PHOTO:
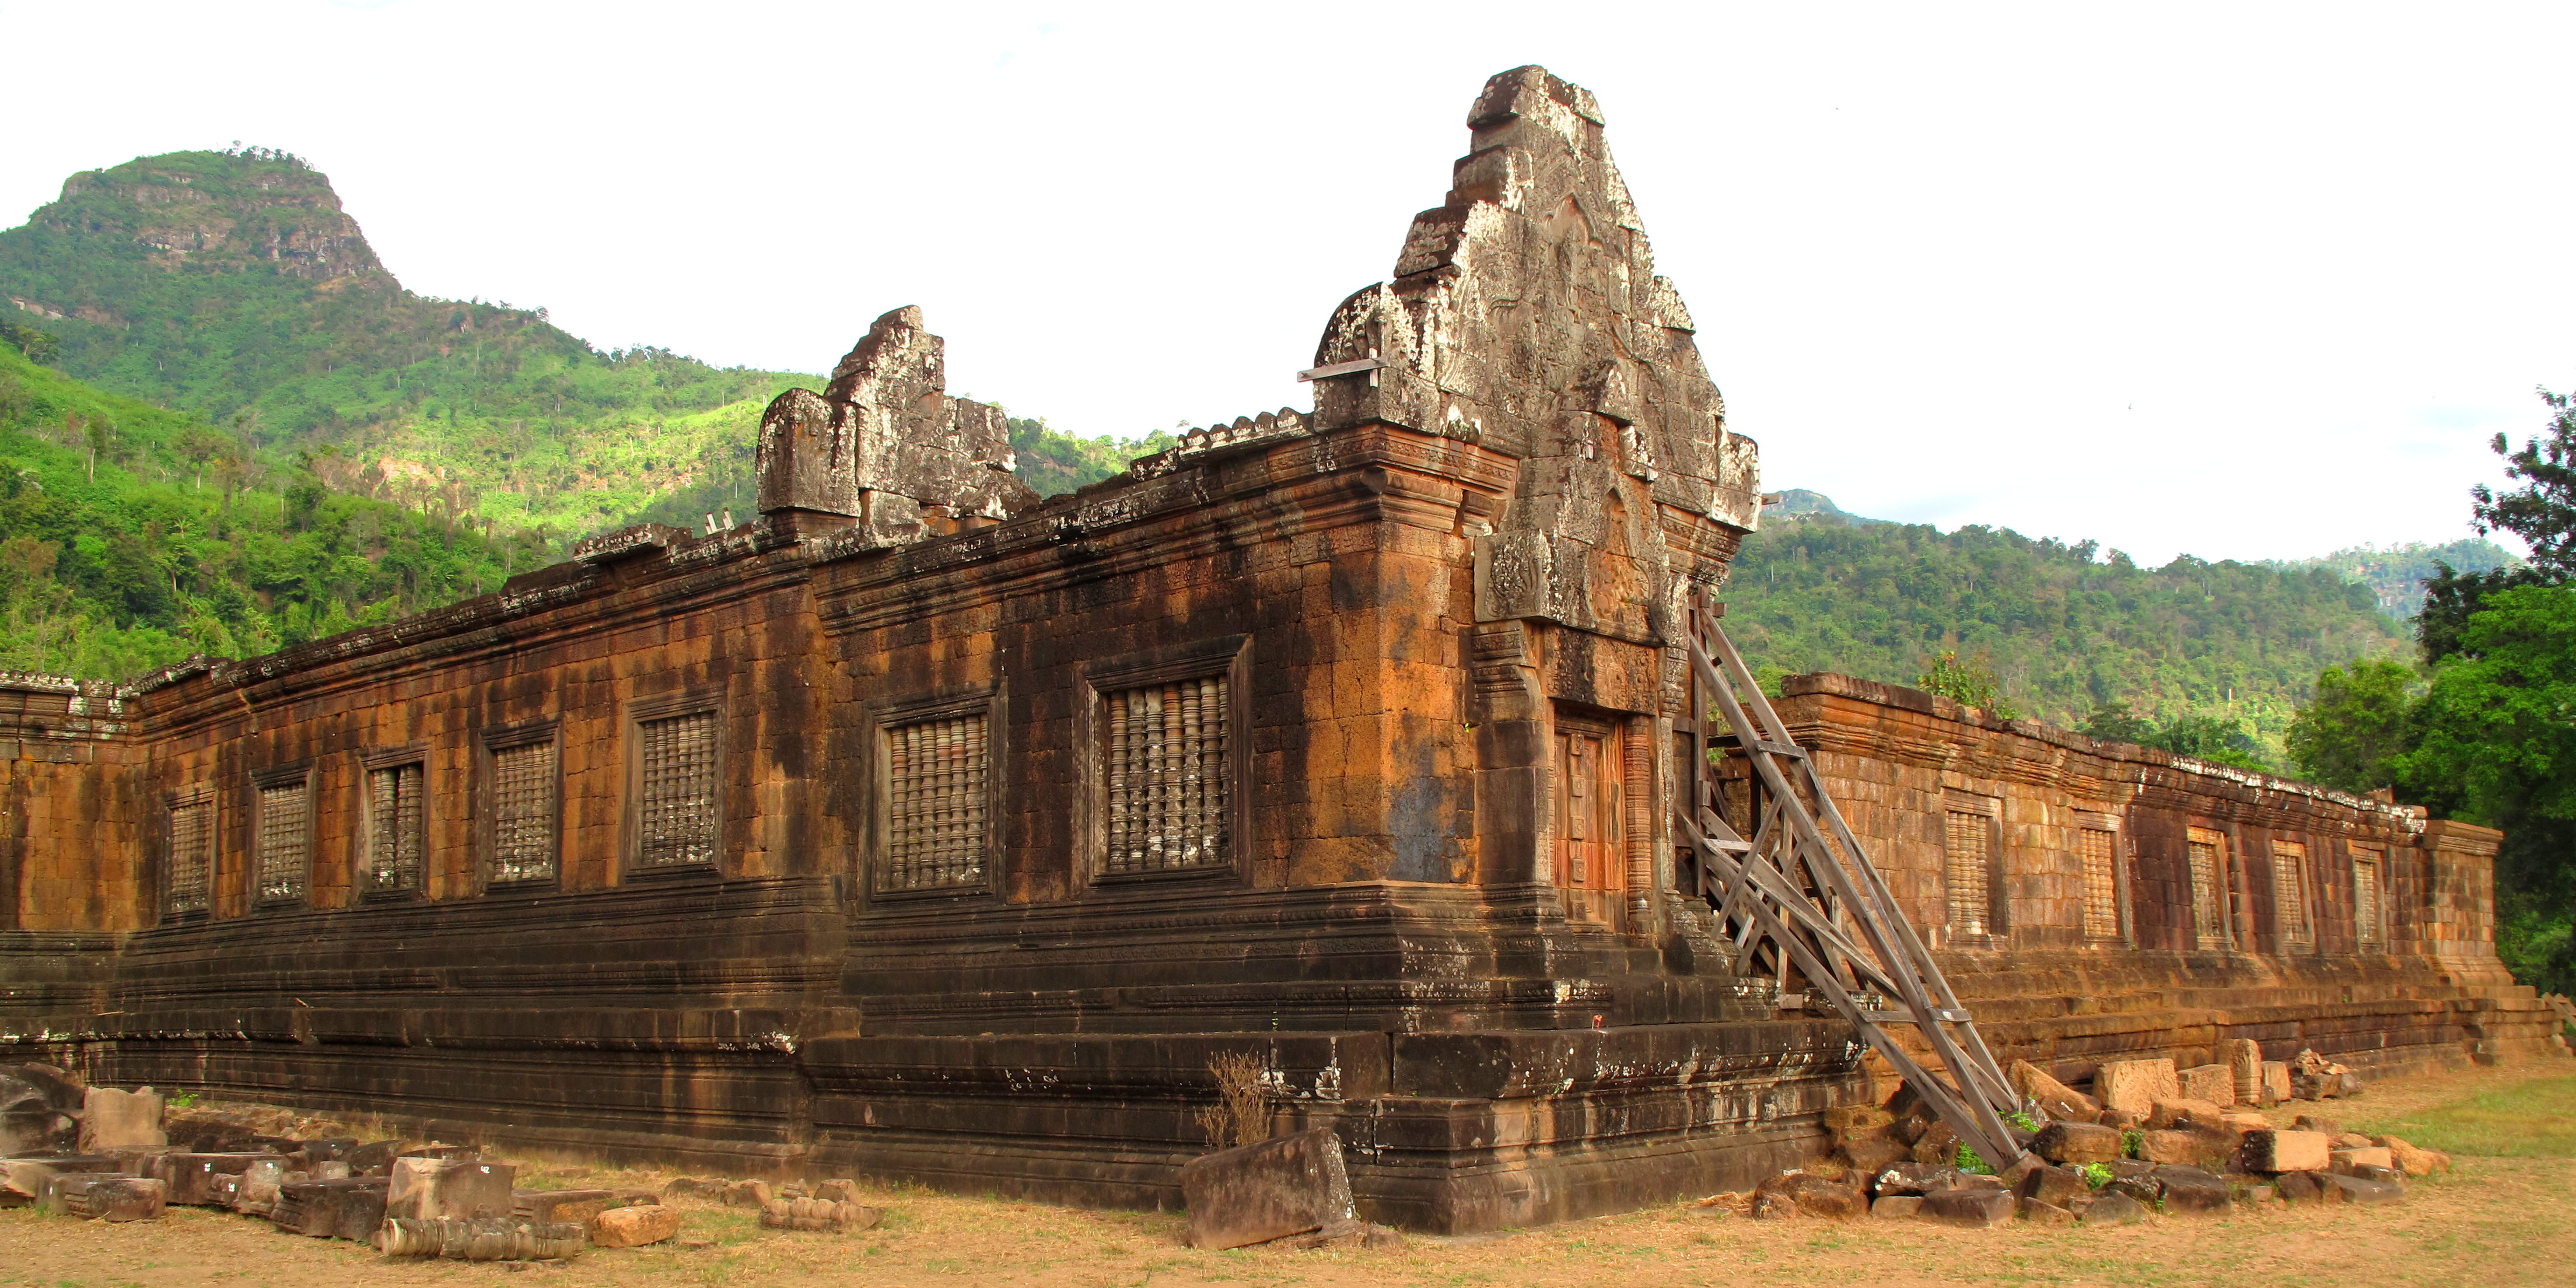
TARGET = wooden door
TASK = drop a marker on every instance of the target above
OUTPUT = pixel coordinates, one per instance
(1591, 853)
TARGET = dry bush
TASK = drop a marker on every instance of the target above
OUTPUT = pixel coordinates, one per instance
(1241, 1114)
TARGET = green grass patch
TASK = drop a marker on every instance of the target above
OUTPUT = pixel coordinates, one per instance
(2534, 1120)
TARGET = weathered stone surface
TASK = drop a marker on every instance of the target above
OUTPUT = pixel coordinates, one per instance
(2347, 1160)
(1937, 1146)
(22, 1180)
(2076, 1142)
(690, 1187)
(2276, 1083)
(2053, 1185)
(2274, 1151)
(1818, 1196)
(113, 1119)
(487, 1238)
(192, 1176)
(2046, 1214)
(2243, 1060)
(1257, 1193)
(30, 1119)
(1889, 1207)
(256, 1188)
(2148, 1189)
(2171, 1114)
(2056, 1101)
(2189, 1189)
(750, 1194)
(837, 1190)
(2299, 1187)
(2326, 1127)
(2182, 1147)
(2212, 1083)
(633, 1227)
(361, 1215)
(2412, 1160)
(1915, 1178)
(448, 1189)
(830, 1215)
(2355, 1189)
(2114, 1209)
(1873, 1152)
(106, 1196)
(2134, 1086)
(1975, 1209)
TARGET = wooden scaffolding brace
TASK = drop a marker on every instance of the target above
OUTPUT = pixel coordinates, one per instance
(1819, 907)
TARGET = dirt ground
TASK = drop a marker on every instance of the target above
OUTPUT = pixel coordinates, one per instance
(2498, 1221)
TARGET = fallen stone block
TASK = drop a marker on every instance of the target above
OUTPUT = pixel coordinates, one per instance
(22, 1180)
(2057, 1101)
(1972, 1209)
(2134, 1086)
(2076, 1142)
(192, 1176)
(2121, 1120)
(1814, 1195)
(2169, 1147)
(1896, 1206)
(1914, 1179)
(2351, 1140)
(2345, 1161)
(2174, 1112)
(312, 1207)
(2145, 1189)
(2272, 1151)
(837, 1190)
(107, 1196)
(375, 1158)
(2369, 1173)
(2047, 1214)
(1867, 1154)
(362, 1210)
(1278, 1188)
(633, 1227)
(255, 1189)
(479, 1239)
(827, 1215)
(2299, 1187)
(750, 1194)
(32, 1120)
(2114, 1209)
(694, 1187)
(2411, 1160)
(452, 1189)
(113, 1119)
(2213, 1083)
(559, 1207)
(2326, 1127)
(2052, 1185)
(2276, 1083)
(2189, 1189)
(2355, 1189)
(2257, 1195)
(1938, 1144)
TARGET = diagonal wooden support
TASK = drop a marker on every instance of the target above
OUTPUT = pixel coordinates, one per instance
(1805, 886)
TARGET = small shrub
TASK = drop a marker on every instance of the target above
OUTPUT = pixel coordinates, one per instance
(183, 1099)
(1968, 1161)
(2022, 1120)
(2096, 1175)
(2132, 1143)
(1241, 1114)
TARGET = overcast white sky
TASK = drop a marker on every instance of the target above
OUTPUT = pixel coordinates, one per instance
(2240, 280)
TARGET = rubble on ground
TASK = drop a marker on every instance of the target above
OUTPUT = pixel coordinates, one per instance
(2150, 1139)
(110, 1154)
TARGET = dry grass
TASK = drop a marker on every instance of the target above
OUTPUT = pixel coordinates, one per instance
(2502, 1220)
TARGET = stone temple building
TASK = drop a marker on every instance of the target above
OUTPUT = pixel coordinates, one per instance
(923, 828)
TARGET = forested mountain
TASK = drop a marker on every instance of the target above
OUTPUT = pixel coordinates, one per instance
(231, 285)
(2397, 573)
(2063, 629)
(132, 536)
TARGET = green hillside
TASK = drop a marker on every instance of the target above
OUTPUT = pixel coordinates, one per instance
(2397, 573)
(132, 536)
(2063, 630)
(233, 286)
